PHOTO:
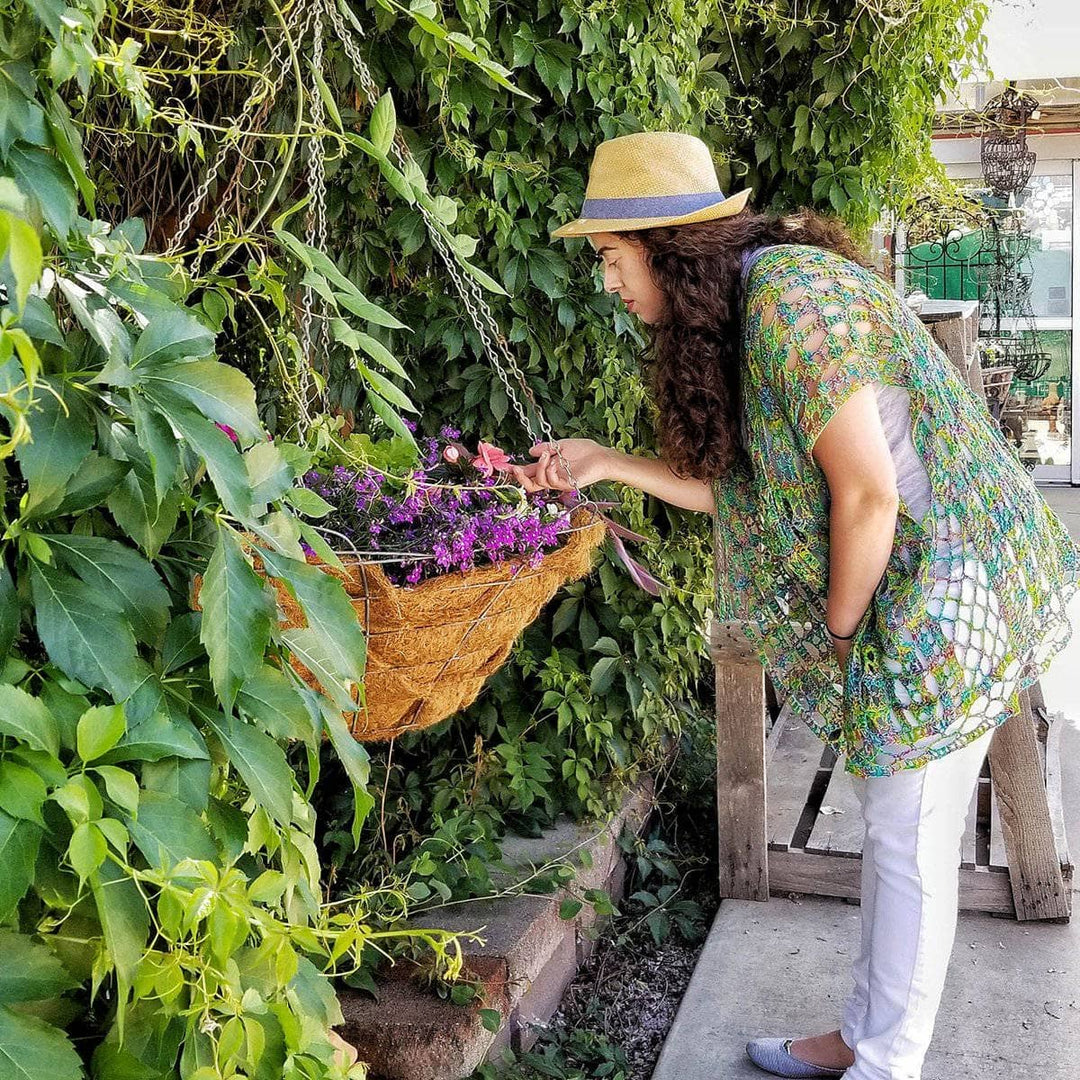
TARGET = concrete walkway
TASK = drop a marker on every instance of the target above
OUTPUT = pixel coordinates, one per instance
(1011, 1009)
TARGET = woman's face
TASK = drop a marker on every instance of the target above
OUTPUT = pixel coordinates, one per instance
(627, 273)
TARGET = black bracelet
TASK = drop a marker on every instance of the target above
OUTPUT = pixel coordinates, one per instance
(841, 637)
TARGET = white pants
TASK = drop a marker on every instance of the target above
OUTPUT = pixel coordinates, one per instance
(909, 892)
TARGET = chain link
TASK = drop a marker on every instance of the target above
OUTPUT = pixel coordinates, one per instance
(317, 343)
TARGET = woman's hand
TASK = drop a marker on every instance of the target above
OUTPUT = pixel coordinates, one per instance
(589, 462)
(587, 459)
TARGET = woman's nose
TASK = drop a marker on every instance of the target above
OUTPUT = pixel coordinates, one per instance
(611, 281)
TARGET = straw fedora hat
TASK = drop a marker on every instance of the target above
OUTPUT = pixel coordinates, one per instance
(651, 178)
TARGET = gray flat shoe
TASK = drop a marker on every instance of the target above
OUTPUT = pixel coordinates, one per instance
(774, 1056)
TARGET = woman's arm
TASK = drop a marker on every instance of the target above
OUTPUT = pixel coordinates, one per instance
(853, 452)
(590, 462)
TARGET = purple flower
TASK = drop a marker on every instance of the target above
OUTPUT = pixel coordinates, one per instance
(445, 512)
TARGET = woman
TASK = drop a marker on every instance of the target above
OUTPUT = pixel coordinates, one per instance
(897, 570)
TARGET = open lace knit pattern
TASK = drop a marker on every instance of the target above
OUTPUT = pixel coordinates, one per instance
(971, 608)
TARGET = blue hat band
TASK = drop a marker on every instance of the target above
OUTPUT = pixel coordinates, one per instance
(648, 206)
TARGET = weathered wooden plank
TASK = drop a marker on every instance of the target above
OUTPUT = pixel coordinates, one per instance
(838, 833)
(981, 889)
(740, 771)
(1035, 873)
(1054, 803)
(792, 768)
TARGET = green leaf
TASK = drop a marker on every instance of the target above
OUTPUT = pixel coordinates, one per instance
(87, 849)
(224, 464)
(356, 762)
(27, 718)
(39, 174)
(271, 700)
(135, 505)
(99, 320)
(182, 645)
(85, 639)
(385, 388)
(9, 611)
(31, 971)
(322, 264)
(66, 141)
(169, 336)
(260, 762)
(327, 96)
(483, 277)
(94, 481)
(269, 472)
(121, 786)
(237, 610)
(603, 673)
(20, 243)
(569, 908)
(120, 573)
(30, 1049)
(385, 412)
(159, 736)
(22, 794)
(62, 437)
(383, 123)
(357, 339)
(19, 841)
(359, 304)
(100, 729)
(125, 923)
(215, 390)
(186, 780)
(308, 648)
(156, 437)
(167, 831)
(491, 1019)
(329, 614)
(307, 502)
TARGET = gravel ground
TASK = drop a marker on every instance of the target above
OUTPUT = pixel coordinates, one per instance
(630, 990)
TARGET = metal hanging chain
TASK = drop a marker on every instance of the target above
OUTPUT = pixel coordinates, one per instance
(492, 339)
(315, 230)
(277, 66)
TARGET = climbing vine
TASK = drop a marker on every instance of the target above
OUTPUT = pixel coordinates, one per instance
(185, 856)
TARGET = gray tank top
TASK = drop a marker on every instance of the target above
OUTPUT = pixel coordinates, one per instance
(912, 479)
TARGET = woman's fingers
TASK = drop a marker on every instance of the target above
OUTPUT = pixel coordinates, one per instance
(547, 473)
(524, 477)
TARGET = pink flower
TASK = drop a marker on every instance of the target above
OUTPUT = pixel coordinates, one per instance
(228, 431)
(450, 453)
(489, 458)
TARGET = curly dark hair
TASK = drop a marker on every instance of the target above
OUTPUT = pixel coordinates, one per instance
(694, 358)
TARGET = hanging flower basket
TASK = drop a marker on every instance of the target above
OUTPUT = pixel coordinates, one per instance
(445, 560)
(431, 646)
